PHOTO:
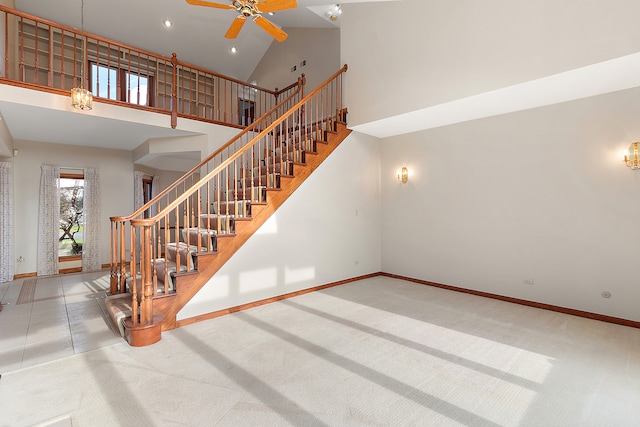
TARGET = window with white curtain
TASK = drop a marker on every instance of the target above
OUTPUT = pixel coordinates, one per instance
(48, 221)
(92, 219)
(69, 219)
(6, 222)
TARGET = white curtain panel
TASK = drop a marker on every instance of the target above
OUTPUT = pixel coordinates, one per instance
(138, 192)
(92, 218)
(48, 221)
(6, 222)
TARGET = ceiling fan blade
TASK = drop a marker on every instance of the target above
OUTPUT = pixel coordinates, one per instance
(270, 28)
(235, 27)
(275, 5)
(211, 4)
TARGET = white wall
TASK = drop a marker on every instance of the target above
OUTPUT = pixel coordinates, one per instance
(320, 47)
(116, 190)
(540, 194)
(6, 140)
(313, 239)
(413, 54)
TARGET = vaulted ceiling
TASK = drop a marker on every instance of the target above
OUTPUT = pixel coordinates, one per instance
(197, 34)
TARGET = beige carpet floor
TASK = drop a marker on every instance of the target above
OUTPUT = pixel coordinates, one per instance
(375, 352)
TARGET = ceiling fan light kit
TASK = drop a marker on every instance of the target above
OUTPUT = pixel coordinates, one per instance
(252, 9)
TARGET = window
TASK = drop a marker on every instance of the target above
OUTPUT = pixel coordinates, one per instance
(121, 85)
(147, 187)
(71, 215)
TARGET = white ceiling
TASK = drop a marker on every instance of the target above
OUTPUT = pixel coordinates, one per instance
(597, 79)
(197, 36)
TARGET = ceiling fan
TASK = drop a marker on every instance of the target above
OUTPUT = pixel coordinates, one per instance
(252, 9)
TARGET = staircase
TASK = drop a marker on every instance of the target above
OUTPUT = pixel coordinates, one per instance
(159, 263)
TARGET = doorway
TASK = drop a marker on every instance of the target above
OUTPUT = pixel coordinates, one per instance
(247, 111)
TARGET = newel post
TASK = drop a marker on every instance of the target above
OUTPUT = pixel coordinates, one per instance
(174, 90)
(146, 275)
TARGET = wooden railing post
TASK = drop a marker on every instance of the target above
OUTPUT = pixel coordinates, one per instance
(6, 73)
(174, 90)
(122, 262)
(113, 259)
(117, 283)
(135, 318)
(146, 303)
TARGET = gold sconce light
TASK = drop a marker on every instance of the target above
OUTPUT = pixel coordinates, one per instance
(631, 158)
(403, 175)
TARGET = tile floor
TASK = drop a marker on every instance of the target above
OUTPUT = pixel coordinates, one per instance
(65, 316)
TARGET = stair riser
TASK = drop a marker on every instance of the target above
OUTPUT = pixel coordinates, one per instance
(278, 167)
(270, 181)
(257, 194)
(241, 208)
(211, 222)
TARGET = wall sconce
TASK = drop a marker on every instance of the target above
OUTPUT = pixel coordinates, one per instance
(403, 175)
(632, 159)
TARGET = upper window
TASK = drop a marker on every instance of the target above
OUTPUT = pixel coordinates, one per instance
(121, 85)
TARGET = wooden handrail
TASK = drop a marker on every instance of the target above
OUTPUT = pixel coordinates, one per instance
(231, 79)
(229, 160)
(155, 199)
(247, 168)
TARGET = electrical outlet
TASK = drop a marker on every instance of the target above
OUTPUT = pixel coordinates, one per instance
(20, 259)
(303, 63)
(527, 281)
(294, 68)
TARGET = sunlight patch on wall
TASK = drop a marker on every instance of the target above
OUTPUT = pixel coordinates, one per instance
(256, 280)
(221, 289)
(270, 226)
(297, 275)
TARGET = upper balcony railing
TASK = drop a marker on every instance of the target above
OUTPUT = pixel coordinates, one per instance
(48, 56)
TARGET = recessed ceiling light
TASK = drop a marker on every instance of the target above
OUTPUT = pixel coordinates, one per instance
(271, 13)
(233, 49)
(167, 23)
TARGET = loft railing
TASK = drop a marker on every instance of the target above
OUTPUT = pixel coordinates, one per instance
(214, 195)
(52, 57)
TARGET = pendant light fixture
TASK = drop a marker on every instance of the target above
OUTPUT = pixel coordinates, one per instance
(81, 98)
